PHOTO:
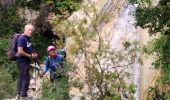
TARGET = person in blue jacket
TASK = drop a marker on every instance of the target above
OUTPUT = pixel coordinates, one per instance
(53, 61)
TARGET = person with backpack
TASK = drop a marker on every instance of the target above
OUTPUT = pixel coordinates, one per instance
(23, 60)
(53, 61)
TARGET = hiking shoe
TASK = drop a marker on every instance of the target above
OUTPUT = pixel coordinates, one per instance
(26, 98)
(17, 97)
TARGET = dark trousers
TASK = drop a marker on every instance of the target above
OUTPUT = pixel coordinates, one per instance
(23, 79)
(52, 76)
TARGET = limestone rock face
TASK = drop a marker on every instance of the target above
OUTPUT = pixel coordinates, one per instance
(116, 31)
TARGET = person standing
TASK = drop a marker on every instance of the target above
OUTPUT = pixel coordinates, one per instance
(23, 60)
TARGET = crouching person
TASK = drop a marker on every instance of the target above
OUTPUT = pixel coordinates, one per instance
(53, 61)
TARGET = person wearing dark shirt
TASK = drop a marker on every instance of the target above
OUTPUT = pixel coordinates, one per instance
(23, 60)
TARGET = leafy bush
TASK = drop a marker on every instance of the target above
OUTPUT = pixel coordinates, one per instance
(3, 45)
(7, 85)
(60, 91)
(9, 21)
(157, 20)
(9, 66)
(64, 7)
(40, 44)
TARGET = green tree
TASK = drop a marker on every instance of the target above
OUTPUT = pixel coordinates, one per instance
(9, 20)
(157, 20)
(104, 74)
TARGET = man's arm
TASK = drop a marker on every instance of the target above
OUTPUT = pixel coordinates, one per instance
(22, 53)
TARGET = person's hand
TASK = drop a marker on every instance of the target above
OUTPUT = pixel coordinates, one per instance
(34, 55)
(41, 73)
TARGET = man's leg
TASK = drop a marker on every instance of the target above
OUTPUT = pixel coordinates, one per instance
(19, 83)
(25, 79)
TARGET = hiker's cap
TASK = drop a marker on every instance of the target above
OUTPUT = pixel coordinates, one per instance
(50, 48)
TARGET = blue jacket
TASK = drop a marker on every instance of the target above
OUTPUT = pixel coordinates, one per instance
(52, 63)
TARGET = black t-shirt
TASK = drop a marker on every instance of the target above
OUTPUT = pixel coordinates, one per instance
(24, 41)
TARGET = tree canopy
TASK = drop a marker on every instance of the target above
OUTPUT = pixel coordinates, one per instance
(157, 20)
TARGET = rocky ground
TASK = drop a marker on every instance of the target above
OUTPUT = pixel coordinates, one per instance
(35, 83)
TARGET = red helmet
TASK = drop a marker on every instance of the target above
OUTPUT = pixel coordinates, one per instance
(49, 48)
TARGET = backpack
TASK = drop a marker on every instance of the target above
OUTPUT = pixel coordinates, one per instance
(62, 52)
(12, 47)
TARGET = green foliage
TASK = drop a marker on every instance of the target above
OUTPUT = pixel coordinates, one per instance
(105, 17)
(155, 94)
(9, 66)
(7, 86)
(168, 97)
(154, 17)
(132, 88)
(12, 69)
(59, 91)
(139, 1)
(10, 21)
(133, 1)
(40, 44)
(62, 7)
(49, 1)
(157, 20)
(126, 44)
(3, 45)
(66, 7)
(31, 4)
(103, 82)
(77, 83)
